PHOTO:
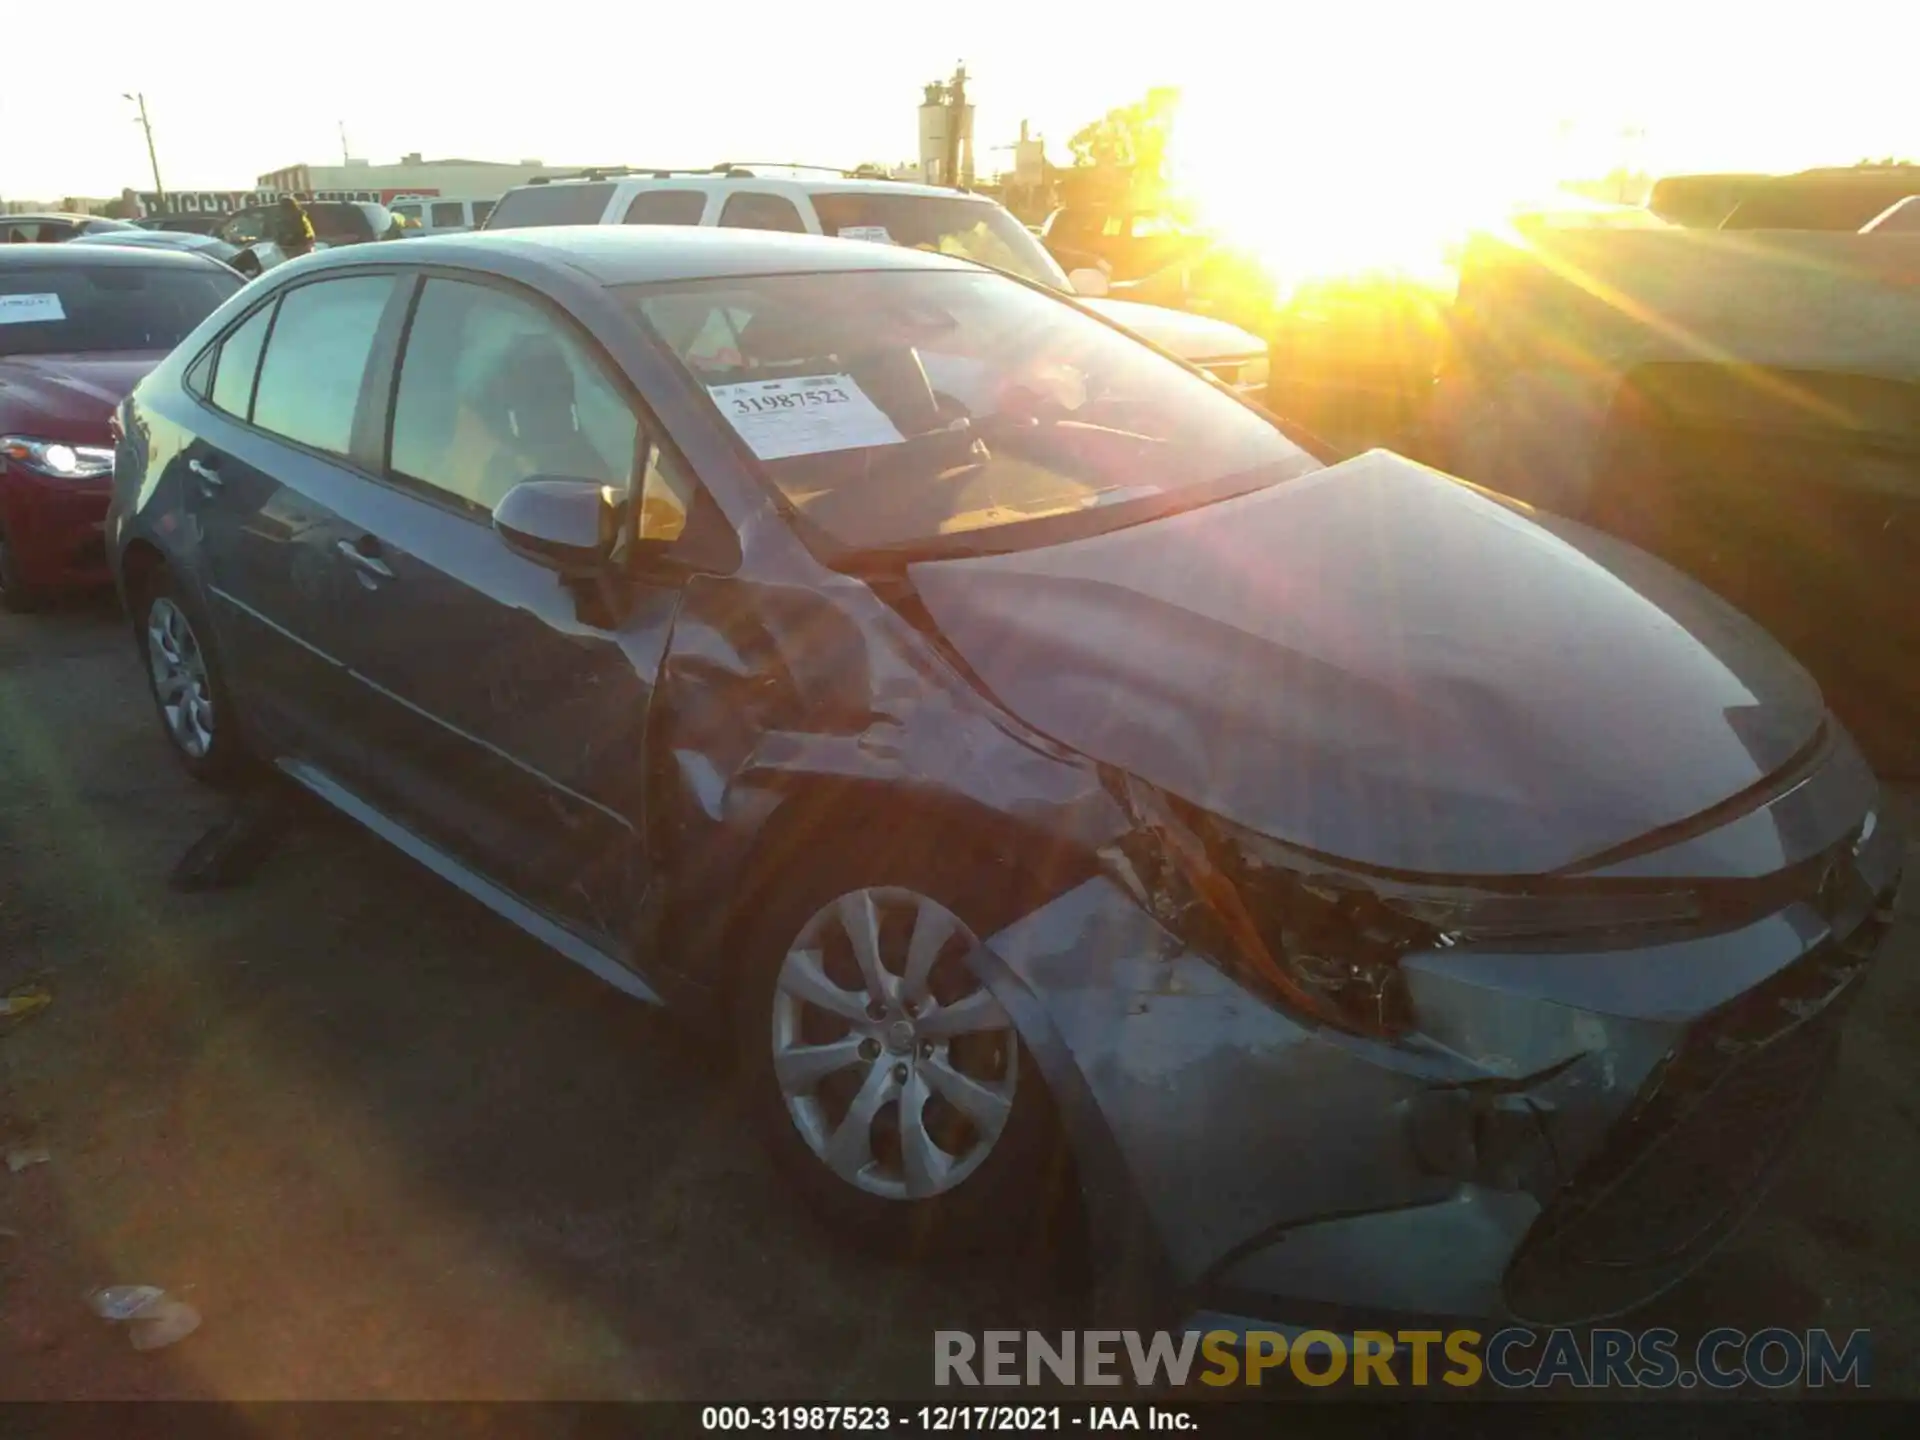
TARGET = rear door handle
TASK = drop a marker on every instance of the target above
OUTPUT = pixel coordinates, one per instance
(369, 564)
(208, 477)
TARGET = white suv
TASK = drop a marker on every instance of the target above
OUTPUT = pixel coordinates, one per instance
(888, 211)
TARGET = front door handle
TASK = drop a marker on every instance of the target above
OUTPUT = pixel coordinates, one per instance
(368, 564)
(208, 477)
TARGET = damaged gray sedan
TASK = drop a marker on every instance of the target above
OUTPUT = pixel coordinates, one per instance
(1376, 902)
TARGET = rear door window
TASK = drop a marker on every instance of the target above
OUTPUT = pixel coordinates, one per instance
(310, 379)
(238, 363)
(667, 207)
(550, 205)
(449, 215)
(757, 210)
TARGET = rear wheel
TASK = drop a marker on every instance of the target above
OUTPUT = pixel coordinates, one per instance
(891, 1085)
(189, 692)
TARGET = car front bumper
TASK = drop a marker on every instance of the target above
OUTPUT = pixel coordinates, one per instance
(55, 528)
(1562, 1137)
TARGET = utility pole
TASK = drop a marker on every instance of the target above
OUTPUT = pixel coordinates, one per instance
(152, 158)
(346, 155)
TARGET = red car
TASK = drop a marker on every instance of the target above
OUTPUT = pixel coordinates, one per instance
(79, 327)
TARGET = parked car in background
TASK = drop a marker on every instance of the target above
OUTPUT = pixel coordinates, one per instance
(79, 325)
(1130, 244)
(1745, 405)
(196, 223)
(1379, 903)
(1832, 199)
(1701, 202)
(440, 216)
(185, 241)
(921, 217)
(51, 229)
(335, 222)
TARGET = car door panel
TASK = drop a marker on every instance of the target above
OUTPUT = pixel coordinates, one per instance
(266, 536)
(266, 541)
(508, 729)
(509, 713)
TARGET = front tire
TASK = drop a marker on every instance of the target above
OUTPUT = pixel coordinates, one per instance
(189, 691)
(889, 1084)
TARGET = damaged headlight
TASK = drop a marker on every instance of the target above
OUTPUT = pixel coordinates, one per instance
(1326, 941)
(1317, 949)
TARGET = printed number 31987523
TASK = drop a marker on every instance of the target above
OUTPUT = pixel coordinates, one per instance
(789, 400)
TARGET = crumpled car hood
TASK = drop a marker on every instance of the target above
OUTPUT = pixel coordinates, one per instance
(1387, 665)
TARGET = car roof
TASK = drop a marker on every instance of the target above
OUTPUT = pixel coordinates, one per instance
(151, 239)
(66, 256)
(636, 254)
(50, 215)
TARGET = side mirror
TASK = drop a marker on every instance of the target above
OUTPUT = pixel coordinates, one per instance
(567, 525)
(1088, 282)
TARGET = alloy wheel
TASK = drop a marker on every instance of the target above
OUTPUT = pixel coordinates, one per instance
(180, 681)
(897, 1066)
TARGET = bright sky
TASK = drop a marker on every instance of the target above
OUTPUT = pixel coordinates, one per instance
(1470, 87)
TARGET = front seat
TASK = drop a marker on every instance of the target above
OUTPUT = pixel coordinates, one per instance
(527, 402)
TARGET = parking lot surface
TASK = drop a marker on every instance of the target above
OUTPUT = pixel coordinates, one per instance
(391, 1148)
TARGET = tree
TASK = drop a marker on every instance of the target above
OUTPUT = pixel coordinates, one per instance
(1131, 142)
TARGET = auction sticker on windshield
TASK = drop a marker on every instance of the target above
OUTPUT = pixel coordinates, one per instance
(806, 415)
(876, 233)
(26, 309)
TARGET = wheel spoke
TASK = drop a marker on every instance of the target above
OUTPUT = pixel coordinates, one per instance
(850, 1150)
(932, 927)
(172, 687)
(968, 1015)
(862, 924)
(803, 977)
(162, 643)
(924, 1164)
(986, 1108)
(801, 1068)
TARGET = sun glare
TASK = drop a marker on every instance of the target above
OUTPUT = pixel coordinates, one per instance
(1347, 201)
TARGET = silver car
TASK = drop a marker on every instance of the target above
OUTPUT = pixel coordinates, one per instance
(1367, 900)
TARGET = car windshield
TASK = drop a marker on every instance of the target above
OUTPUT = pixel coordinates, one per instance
(971, 229)
(53, 310)
(893, 408)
